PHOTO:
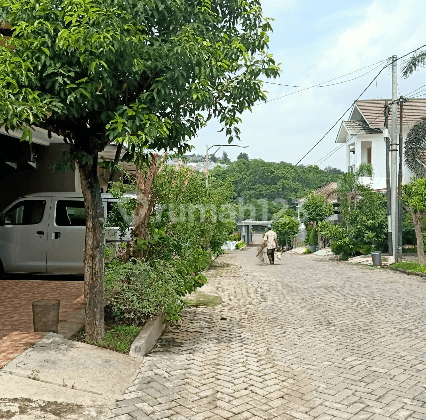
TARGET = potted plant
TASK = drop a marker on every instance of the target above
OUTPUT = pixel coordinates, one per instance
(312, 239)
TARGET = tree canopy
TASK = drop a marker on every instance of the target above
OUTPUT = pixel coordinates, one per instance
(256, 179)
(147, 72)
(135, 70)
(315, 209)
(243, 156)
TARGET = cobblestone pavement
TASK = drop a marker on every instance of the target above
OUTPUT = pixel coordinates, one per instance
(16, 317)
(303, 339)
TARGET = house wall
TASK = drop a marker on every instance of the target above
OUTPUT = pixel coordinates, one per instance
(27, 180)
(378, 158)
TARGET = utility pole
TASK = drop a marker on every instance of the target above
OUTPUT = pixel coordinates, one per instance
(388, 188)
(401, 104)
(207, 166)
(394, 159)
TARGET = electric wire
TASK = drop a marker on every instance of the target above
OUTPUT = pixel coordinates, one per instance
(314, 86)
(334, 125)
(328, 155)
(389, 62)
(413, 93)
(335, 78)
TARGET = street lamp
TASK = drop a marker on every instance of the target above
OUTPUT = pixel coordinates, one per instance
(207, 156)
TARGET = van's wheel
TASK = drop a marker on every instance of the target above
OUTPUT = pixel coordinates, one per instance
(1, 270)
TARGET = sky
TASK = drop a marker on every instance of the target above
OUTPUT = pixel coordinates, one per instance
(316, 41)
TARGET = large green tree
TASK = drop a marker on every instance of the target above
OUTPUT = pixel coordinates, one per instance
(150, 72)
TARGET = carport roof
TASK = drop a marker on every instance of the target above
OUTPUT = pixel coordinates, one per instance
(39, 136)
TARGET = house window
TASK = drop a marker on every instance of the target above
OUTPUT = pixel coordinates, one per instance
(369, 155)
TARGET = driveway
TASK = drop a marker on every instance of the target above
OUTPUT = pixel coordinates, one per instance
(16, 296)
(304, 339)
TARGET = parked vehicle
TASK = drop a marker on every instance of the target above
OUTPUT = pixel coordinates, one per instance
(44, 233)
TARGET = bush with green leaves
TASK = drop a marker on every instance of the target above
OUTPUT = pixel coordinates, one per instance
(315, 209)
(364, 215)
(311, 235)
(286, 228)
(189, 224)
(240, 244)
(136, 290)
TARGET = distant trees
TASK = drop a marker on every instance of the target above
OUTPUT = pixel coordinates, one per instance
(243, 156)
(225, 159)
(257, 179)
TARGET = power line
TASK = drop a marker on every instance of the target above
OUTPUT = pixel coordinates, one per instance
(334, 125)
(328, 155)
(389, 62)
(319, 85)
(413, 91)
(335, 78)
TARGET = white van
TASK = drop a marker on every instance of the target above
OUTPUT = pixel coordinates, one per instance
(44, 233)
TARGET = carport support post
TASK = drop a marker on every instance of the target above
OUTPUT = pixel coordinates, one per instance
(247, 238)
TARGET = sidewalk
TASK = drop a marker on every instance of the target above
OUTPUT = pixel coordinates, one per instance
(16, 322)
(45, 375)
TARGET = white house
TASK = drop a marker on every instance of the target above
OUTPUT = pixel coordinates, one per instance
(363, 136)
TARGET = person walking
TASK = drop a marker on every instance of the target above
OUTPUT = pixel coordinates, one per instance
(270, 241)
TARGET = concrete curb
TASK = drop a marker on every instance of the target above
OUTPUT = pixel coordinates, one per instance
(147, 338)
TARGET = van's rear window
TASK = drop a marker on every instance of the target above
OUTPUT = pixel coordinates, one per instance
(26, 212)
(70, 213)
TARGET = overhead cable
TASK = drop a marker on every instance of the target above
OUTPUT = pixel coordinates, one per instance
(335, 78)
(389, 62)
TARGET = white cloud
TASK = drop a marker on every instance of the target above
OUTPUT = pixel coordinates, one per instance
(386, 29)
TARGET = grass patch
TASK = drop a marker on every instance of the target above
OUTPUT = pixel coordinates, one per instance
(203, 299)
(118, 338)
(410, 266)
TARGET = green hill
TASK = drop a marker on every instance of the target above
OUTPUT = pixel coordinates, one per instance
(256, 179)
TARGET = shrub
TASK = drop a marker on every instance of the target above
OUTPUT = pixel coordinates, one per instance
(286, 228)
(240, 245)
(136, 291)
(312, 236)
(236, 236)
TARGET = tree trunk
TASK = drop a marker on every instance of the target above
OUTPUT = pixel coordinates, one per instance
(93, 251)
(320, 241)
(144, 205)
(417, 221)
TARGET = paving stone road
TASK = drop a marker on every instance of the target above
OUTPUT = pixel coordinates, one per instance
(304, 339)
